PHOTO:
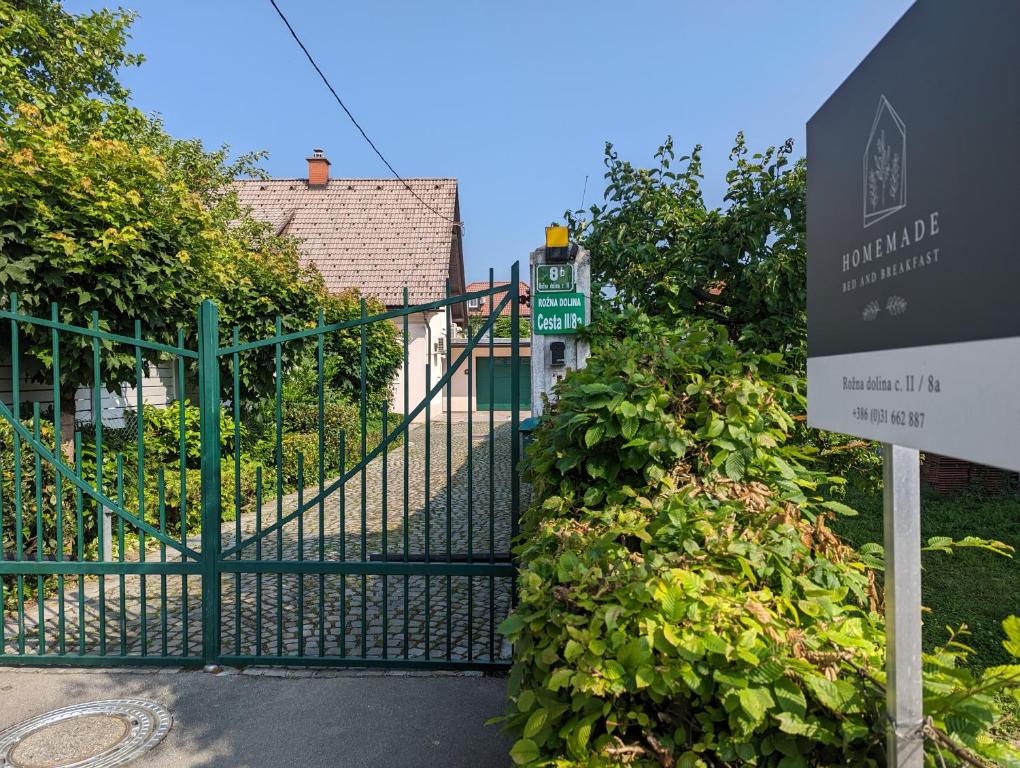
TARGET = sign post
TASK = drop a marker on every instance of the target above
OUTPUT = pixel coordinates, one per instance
(902, 527)
(561, 278)
(913, 274)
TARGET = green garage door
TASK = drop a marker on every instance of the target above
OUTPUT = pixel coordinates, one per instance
(501, 390)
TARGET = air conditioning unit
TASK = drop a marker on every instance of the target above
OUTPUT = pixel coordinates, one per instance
(439, 345)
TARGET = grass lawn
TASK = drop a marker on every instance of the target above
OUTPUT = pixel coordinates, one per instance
(971, 587)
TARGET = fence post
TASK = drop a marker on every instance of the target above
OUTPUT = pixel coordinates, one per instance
(209, 442)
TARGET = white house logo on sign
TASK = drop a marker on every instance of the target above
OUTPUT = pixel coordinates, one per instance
(901, 249)
(885, 165)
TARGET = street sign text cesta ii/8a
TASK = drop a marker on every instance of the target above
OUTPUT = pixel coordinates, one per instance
(557, 313)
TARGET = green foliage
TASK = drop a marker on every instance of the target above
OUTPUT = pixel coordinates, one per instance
(502, 328)
(97, 225)
(682, 598)
(300, 435)
(38, 520)
(664, 251)
(57, 60)
(949, 587)
(102, 211)
(616, 425)
(858, 461)
(661, 248)
(343, 350)
(231, 503)
(42, 514)
(162, 430)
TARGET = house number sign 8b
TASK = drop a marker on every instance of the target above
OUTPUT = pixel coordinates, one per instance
(554, 277)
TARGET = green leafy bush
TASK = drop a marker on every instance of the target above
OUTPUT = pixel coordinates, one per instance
(41, 515)
(230, 503)
(384, 354)
(659, 245)
(38, 500)
(682, 599)
(162, 432)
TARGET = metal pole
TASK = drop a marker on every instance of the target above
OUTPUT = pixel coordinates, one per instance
(209, 439)
(515, 395)
(904, 700)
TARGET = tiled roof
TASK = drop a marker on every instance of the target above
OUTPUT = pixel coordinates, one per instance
(483, 309)
(369, 234)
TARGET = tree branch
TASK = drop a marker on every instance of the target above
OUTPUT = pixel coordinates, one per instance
(961, 753)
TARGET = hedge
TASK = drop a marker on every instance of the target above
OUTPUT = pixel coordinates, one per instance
(682, 600)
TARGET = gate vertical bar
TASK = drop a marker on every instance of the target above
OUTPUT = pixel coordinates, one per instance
(140, 481)
(515, 395)
(904, 700)
(515, 413)
(449, 473)
(58, 451)
(40, 596)
(278, 461)
(79, 522)
(492, 475)
(182, 477)
(407, 440)
(19, 544)
(320, 369)
(235, 396)
(104, 524)
(364, 478)
(209, 439)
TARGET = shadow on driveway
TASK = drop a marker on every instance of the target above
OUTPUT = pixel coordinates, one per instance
(313, 719)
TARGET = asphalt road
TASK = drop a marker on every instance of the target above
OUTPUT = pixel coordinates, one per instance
(279, 718)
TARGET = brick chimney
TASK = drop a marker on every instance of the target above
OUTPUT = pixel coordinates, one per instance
(318, 169)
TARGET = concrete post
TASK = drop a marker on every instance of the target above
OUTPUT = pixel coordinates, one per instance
(544, 375)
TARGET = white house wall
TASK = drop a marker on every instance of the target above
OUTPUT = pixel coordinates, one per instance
(419, 353)
(158, 389)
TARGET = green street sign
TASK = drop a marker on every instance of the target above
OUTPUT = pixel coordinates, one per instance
(557, 313)
(554, 277)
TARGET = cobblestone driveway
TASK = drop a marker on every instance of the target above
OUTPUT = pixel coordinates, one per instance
(327, 615)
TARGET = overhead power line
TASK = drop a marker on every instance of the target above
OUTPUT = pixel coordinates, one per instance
(361, 130)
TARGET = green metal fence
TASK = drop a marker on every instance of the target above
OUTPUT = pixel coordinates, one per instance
(386, 547)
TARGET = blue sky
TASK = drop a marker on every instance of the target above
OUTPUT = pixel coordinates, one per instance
(515, 99)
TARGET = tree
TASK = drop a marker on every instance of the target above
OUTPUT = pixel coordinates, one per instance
(502, 327)
(62, 63)
(660, 248)
(101, 210)
(96, 225)
(385, 353)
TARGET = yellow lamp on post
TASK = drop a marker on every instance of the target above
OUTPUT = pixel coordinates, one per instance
(557, 244)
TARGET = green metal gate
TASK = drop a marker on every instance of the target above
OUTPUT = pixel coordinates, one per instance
(396, 554)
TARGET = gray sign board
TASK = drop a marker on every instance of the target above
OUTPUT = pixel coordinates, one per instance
(914, 238)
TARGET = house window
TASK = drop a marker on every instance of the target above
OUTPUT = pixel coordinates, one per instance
(474, 303)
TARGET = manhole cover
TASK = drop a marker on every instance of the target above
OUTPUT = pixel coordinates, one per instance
(100, 734)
